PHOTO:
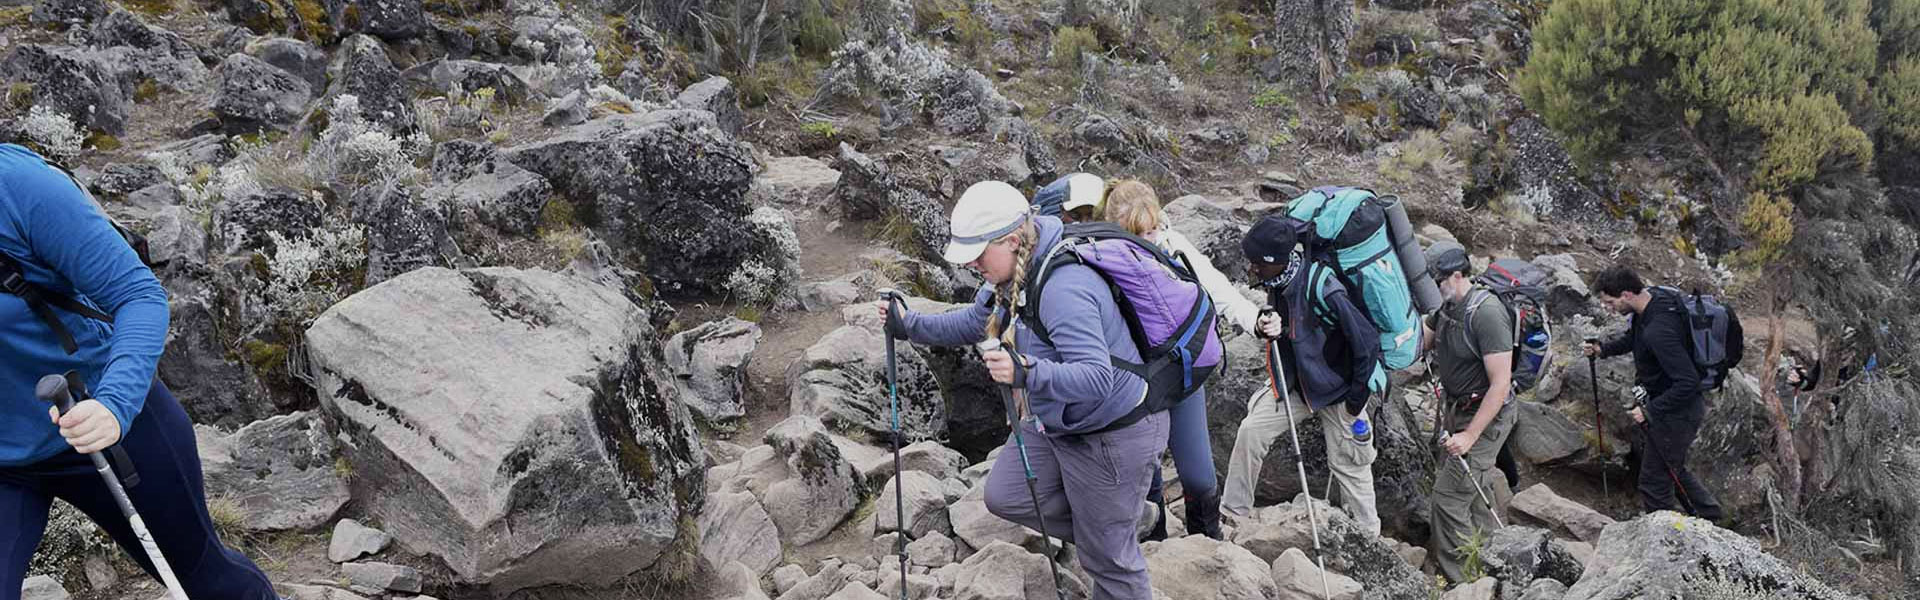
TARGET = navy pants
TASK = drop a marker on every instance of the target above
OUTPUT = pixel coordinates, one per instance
(170, 497)
(1192, 457)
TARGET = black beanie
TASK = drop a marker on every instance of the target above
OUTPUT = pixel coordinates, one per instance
(1271, 240)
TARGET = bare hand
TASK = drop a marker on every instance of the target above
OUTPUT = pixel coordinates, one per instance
(1458, 444)
(89, 427)
(1592, 349)
(999, 365)
(1638, 417)
(1271, 326)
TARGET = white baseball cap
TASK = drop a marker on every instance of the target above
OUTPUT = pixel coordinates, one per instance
(1084, 189)
(985, 212)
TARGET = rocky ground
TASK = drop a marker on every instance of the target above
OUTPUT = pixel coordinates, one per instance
(544, 300)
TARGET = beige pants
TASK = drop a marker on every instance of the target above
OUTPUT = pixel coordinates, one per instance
(1350, 460)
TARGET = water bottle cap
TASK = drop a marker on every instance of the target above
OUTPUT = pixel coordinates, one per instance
(1359, 427)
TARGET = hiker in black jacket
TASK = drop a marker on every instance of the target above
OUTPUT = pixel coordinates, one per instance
(1668, 386)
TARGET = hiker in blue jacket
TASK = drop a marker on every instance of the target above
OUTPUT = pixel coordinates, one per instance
(58, 242)
(1092, 444)
(1329, 352)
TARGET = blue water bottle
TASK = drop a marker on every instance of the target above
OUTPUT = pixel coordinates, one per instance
(1362, 433)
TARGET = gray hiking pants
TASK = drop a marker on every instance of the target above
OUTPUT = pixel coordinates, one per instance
(1091, 488)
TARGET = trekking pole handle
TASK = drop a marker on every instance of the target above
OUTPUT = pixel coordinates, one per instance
(54, 389)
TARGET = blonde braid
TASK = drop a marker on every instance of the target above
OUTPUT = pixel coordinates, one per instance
(1000, 324)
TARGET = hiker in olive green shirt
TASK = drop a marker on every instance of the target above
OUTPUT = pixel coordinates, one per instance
(1473, 357)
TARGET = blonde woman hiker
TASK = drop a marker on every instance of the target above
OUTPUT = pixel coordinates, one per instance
(1134, 207)
(1090, 433)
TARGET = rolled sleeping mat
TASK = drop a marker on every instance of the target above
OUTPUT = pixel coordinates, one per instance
(1413, 260)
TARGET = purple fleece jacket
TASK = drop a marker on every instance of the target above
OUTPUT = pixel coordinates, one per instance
(1074, 386)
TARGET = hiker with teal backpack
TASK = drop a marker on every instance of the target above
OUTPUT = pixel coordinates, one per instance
(1683, 345)
(1099, 334)
(78, 298)
(1473, 344)
(1344, 311)
(1133, 206)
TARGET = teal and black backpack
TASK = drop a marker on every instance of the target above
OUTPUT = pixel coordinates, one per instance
(1349, 234)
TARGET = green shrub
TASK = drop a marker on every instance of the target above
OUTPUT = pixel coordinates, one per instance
(1070, 43)
(1272, 98)
(1898, 96)
(1768, 221)
(1762, 76)
(1898, 22)
(816, 34)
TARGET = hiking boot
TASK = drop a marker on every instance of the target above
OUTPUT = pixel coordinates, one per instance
(1203, 516)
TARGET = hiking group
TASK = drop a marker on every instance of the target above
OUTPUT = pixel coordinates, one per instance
(1101, 324)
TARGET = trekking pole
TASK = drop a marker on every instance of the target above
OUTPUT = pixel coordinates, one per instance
(1483, 492)
(900, 477)
(1599, 421)
(1019, 441)
(58, 390)
(1277, 379)
(1654, 447)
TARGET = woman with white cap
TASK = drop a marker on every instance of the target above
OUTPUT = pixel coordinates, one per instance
(1091, 443)
(1134, 207)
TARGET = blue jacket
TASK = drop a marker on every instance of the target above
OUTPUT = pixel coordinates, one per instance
(64, 243)
(1074, 386)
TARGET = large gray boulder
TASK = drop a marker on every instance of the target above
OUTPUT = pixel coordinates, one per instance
(482, 187)
(1200, 567)
(709, 366)
(1542, 435)
(735, 528)
(1539, 504)
(869, 191)
(280, 472)
(513, 424)
(1365, 558)
(715, 95)
(842, 380)
(822, 487)
(151, 53)
(405, 231)
(442, 76)
(1002, 571)
(922, 497)
(691, 229)
(1521, 555)
(74, 82)
(361, 68)
(243, 224)
(1668, 555)
(255, 96)
(303, 60)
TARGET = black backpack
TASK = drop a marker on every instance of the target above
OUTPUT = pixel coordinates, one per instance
(1521, 288)
(1717, 341)
(13, 279)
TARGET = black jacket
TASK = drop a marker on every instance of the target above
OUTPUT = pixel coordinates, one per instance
(1663, 358)
(1326, 362)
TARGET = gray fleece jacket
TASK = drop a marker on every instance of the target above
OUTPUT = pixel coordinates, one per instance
(1073, 386)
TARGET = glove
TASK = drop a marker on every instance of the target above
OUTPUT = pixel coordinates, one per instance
(1639, 395)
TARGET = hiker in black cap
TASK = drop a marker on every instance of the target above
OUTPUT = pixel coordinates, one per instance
(1329, 356)
(1472, 340)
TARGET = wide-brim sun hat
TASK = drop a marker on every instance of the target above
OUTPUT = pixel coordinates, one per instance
(985, 212)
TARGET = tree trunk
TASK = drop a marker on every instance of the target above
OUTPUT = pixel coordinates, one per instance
(752, 37)
(1786, 455)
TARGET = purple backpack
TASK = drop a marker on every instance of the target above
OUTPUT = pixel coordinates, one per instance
(1168, 313)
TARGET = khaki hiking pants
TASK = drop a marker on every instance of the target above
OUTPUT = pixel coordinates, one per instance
(1455, 509)
(1350, 460)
